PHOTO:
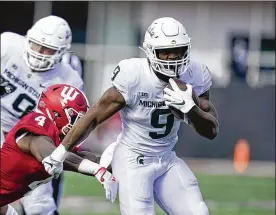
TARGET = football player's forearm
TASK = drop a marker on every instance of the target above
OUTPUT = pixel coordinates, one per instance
(204, 123)
(76, 135)
(95, 116)
(88, 155)
(72, 162)
(208, 107)
(109, 104)
(75, 163)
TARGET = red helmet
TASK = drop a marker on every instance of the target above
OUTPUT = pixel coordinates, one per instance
(64, 104)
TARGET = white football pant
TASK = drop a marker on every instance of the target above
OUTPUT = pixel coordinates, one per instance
(40, 201)
(11, 211)
(166, 179)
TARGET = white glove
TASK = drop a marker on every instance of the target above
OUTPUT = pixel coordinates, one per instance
(53, 167)
(53, 164)
(102, 175)
(109, 183)
(179, 99)
(107, 155)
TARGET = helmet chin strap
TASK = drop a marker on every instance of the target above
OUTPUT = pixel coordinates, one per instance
(38, 71)
(162, 76)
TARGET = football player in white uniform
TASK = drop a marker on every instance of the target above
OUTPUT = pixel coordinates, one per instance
(144, 162)
(28, 65)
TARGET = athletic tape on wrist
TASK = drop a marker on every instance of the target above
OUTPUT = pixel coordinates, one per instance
(88, 167)
(59, 154)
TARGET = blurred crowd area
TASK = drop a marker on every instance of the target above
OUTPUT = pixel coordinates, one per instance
(235, 39)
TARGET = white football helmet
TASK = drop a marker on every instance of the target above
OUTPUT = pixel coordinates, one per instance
(52, 34)
(167, 33)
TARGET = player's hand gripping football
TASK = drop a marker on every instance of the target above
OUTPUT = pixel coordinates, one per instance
(109, 183)
(179, 99)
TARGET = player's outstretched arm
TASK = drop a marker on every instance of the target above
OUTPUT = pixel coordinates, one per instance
(110, 103)
(42, 146)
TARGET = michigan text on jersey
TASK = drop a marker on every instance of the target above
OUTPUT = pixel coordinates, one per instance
(21, 83)
(152, 103)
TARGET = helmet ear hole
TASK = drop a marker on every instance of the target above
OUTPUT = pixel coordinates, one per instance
(56, 114)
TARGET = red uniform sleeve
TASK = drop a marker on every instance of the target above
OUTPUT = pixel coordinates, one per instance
(39, 124)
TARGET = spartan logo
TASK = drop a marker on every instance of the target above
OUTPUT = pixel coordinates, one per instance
(6, 87)
(140, 159)
(151, 31)
(66, 95)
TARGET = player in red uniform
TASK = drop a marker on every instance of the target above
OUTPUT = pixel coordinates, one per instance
(28, 145)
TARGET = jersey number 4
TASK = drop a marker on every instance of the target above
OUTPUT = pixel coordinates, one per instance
(40, 120)
(155, 122)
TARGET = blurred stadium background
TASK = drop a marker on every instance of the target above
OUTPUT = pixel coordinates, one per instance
(236, 171)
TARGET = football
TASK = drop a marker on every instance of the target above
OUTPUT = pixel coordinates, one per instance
(177, 113)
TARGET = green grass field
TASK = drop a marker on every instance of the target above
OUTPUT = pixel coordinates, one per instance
(225, 195)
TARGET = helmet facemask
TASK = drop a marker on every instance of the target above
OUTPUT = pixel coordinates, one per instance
(73, 116)
(42, 61)
(168, 66)
(169, 36)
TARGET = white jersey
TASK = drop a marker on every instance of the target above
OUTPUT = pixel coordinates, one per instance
(148, 126)
(20, 87)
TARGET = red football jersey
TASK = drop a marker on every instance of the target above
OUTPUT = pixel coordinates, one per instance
(22, 172)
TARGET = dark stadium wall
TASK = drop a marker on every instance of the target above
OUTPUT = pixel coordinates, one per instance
(16, 16)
